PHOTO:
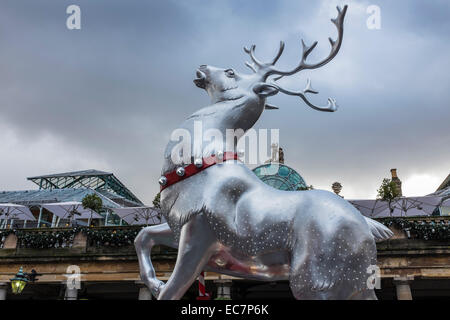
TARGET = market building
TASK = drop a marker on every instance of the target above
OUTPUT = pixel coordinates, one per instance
(414, 264)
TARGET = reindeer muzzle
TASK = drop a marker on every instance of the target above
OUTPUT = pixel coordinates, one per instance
(201, 80)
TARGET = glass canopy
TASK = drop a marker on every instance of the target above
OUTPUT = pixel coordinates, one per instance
(99, 181)
(280, 177)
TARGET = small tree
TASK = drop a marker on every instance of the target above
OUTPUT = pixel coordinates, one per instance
(388, 191)
(93, 202)
(156, 201)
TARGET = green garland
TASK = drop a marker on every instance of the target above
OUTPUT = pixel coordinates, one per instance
(112, 238)
(45, 239)
(64, 238)
(421, 229)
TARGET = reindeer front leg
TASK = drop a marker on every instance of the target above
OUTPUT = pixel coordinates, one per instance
(147, 238)
(197, 245)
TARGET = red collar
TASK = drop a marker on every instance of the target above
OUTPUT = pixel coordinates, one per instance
(172, 177)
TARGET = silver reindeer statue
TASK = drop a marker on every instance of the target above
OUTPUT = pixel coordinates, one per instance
(222, 218)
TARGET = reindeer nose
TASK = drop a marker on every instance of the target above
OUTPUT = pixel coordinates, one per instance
(201, 79)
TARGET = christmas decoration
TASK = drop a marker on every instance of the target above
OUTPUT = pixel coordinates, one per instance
(111, 238)
(45, 239)
(415, 227)
(421, 229)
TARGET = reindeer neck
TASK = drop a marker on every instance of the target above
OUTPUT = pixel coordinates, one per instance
(236, 114)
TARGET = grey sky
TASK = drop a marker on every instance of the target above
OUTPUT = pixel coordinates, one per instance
(108, 96)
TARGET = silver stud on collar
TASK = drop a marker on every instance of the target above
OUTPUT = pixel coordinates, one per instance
(198, 163)
(162, 181)
(180, 171)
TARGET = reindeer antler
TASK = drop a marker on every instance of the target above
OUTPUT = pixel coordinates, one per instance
(258, 65)
(268, 69)
(330, 107)
(335, 46)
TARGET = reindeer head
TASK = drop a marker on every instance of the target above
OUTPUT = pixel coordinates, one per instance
(226, 84)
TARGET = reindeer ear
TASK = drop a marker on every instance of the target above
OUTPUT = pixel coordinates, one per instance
(270, 107)
(265, 90)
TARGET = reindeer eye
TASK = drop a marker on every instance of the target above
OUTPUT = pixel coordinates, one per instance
(229, 73)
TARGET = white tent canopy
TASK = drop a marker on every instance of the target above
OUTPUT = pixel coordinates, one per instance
(369, 208)
(401, 207)
(72, 210)
(15, 211)
(138, 215)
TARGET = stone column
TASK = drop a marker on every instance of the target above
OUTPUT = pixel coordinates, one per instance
(80, 240)
(144, 292)
(40, 217)
(106, 218)
(3, 290)
(402, 285)
(10, 242)
(71, 293)
(53, 220)
(223, 288)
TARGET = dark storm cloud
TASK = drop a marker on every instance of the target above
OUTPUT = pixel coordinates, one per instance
(115, 89)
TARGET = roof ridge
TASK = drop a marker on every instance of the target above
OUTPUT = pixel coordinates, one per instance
(72, 173)
(444, 183)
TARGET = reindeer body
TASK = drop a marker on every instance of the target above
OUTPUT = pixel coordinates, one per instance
(225, 219)
(259, 232)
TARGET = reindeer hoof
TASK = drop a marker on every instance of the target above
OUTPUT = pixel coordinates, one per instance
(154, 285)
(157, 287)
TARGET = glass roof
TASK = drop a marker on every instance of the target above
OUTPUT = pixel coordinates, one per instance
(280, 177)
(445, 184)
(88, 179)
(37, 197)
